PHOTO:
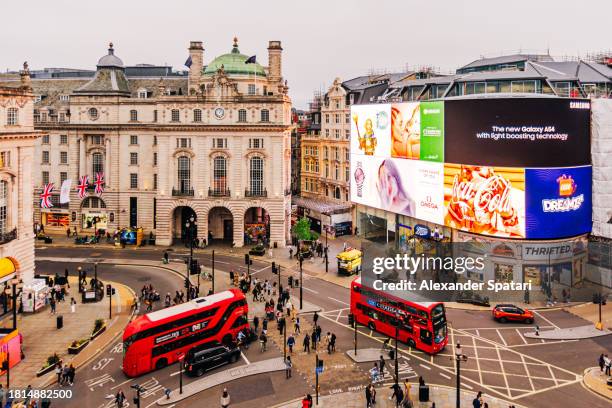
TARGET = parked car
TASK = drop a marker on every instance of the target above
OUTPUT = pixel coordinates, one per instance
(259, 250)
(203, 358)
(511, 313)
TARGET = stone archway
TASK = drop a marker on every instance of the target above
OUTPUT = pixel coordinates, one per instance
(220, 225)
(181, 215)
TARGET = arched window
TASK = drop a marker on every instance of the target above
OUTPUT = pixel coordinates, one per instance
(12, 116)
(184, 174)
(133, 115)
(337, 195)
(97, 163)
(337, 172)
(197, 115)
(4, 203)
(242, 115)
(93, 202)
(256, 175)
(219, 175)
(265, 115)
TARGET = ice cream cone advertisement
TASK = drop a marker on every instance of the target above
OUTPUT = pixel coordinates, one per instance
(485, 200)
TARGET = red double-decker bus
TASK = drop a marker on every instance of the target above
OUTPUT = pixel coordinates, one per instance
(156, 339)
(421, 325)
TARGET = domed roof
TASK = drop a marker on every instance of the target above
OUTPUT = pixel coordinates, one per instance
(234, 63)
(110, 60)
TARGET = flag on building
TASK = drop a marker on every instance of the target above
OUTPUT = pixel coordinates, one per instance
(99, 184)
(251, 60)
(45, 197)
(65, 191)
(82, 187)
(188, 62)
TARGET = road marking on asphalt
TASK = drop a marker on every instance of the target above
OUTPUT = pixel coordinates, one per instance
(244, 358)
(545, 319)
(528, 373)
(500, 336)
(503, 372)
(425, 367)
(175, 373)
(339, 301)
(469, 387)
(521, 336)
(477, 332)
(477, 360)
(445, 376)
(310, 290)
(543, 342)
(119, 385)
(339, 314)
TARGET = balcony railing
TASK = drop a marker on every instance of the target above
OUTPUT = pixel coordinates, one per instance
(216, 192)
(182, 192)
(255, 193)
(6, 237)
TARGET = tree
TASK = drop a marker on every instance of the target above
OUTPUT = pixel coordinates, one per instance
(301, 229)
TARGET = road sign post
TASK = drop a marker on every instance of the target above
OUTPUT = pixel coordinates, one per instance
(181, 357)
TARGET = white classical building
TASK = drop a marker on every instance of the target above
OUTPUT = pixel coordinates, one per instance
(213, 144)
(17, 138)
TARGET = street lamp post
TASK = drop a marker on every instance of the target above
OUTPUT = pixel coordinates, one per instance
(189, 226)
(213, 274)
(16, 288)
(397, 324)
(326, 252)
(301, 282)
(459, 357)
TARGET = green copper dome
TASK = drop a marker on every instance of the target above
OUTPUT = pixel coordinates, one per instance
(234, 64)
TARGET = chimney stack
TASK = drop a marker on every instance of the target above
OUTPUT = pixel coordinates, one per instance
(196, 54)
(274, 61)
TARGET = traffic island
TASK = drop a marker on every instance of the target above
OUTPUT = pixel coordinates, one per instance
(595, 380)
(572, 333)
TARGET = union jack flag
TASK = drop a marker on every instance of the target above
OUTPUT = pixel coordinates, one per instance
(99, 183)
(82, 187)
(45, 197)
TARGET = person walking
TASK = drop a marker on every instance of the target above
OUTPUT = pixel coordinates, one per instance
(318, 330)
(313, 339)
(52, 304)
(296, 325)
(291, 343)
(225, 399)
(58, 372)
(263, 341)
(288, 367)
(373, 392)
(255, 323)
(71, 374)
(72, 305)
(368, 396)
(398, 394)
(315, 318)
(307, 401)
(332, 342)
(306, 343)
(601, 362)
(381, 365)
(608, 364)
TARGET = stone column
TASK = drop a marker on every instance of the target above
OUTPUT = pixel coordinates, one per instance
(107, 159)
(82, 158)
(163, 156)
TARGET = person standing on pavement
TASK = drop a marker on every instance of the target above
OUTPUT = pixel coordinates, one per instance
(368, 396)
(71, 374)
(315, 318)
(306, 343)
(307, 401)
(58, 372)
(255, 324)
(225, 399)
(601, 362)
(263, 341)
(72, 305)
(52, 303)
(332, 342)
(327, 342)
(608, 364)
(296, 325)
(313, 339)
(318, 330)
(477, 402)
(381, 364)
(398, 394)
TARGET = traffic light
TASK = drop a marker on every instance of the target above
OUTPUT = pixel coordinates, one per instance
(108, 290)
(136, 401)
(351, 319)
(113, 291)
(246, 259)
(194, 267)
(186, 283)
(274, 269)
(320, 365)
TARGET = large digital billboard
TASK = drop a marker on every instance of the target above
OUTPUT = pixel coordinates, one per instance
(498, 167)
(558, 202)
(518, 132)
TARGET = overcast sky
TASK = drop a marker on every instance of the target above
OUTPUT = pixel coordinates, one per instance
(321, 39)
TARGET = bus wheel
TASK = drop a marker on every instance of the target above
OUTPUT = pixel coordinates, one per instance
(411, 343)
(371, 326)
(161, 363)
(227, 339)
(200, 372)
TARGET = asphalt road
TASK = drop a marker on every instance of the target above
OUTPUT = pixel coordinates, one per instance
(501, 361)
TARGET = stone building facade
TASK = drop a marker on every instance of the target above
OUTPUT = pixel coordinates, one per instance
(17, 139)
(213, 145)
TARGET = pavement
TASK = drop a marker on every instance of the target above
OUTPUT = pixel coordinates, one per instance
(595, 380)
(233, 374)
(442, 396)
(42, 338)
(366, 355)
(570, 333)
